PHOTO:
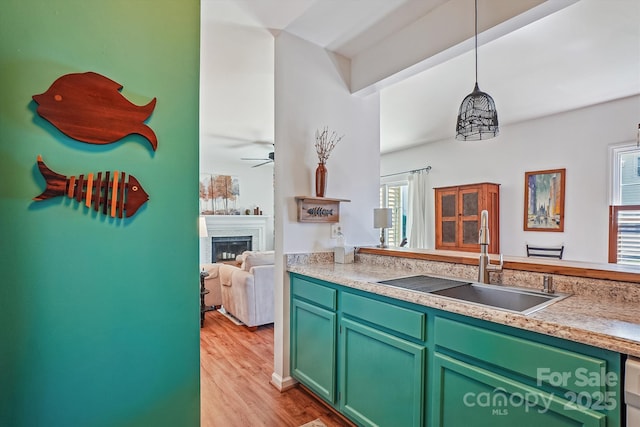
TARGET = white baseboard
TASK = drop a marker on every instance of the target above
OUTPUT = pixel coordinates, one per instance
(282, 384)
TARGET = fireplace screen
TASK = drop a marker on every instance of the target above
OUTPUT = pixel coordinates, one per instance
(227, 248)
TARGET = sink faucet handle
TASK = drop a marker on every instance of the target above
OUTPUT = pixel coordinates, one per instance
(496, 267)
(483, 231)
(547, 284)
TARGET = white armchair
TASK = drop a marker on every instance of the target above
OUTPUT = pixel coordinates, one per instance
(247, 292)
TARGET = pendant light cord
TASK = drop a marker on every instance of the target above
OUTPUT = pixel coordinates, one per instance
(476, 39)
(477, 117)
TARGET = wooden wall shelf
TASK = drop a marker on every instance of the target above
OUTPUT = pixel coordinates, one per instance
(318, 209)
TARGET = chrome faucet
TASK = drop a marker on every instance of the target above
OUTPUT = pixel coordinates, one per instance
(483, 240)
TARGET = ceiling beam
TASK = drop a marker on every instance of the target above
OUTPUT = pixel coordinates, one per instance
(440, 35)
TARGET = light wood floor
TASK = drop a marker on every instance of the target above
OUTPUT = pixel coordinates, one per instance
(235, 370)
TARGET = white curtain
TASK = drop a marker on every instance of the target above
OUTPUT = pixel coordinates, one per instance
(417, 209)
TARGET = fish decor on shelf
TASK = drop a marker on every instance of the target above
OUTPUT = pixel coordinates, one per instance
(108, 191)
(319, 211)
(89, 107)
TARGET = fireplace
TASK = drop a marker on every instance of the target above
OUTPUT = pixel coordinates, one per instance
(257, 227)
(228, 247)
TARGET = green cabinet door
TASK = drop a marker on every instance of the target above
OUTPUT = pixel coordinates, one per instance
(313, 348)
(381, 377)
(467, 395)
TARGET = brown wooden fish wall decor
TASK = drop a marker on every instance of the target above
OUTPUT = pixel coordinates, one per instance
(89, 107)
(108, 191)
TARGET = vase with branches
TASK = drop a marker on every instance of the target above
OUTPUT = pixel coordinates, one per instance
(325, 143)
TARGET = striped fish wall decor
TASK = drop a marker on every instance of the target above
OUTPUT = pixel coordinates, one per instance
(115, 193)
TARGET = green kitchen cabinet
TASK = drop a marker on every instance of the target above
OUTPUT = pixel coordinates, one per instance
(499, 379)
(469, 395)
(382, 372)
(386, 362)
(314, 337)
(381, 377)
(379, 368)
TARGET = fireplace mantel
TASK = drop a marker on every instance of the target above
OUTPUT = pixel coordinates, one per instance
(236, 225)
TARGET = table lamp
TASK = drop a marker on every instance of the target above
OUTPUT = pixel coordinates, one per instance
(382, 219)
(202, 231)
(203, 227)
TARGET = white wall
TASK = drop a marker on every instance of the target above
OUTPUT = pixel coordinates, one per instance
(310, 94)
(256, 184)
(236, 76)
(236, 105)
(577, 140)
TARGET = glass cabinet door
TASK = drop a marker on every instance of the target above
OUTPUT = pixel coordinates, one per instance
(448, 212)
(470, 215)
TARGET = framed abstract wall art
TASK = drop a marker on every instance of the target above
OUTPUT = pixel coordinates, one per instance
(219, 194)
(544, 200)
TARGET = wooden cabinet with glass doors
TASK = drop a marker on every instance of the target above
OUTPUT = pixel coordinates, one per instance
(458, 212)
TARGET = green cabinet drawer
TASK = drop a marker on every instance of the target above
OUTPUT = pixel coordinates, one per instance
(313, 292)
(398, 319)
(543, 363)
(467, 395)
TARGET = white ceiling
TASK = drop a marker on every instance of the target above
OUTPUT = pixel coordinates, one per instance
(586, 53)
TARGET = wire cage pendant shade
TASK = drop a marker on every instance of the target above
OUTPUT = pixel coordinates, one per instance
(477, 117)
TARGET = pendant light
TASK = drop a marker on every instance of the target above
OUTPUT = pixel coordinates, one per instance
(477, 118)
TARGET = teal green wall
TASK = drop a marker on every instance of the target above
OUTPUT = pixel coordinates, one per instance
(99, 317)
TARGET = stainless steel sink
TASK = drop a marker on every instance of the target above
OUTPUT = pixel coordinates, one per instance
(518, 300)
(422, 283)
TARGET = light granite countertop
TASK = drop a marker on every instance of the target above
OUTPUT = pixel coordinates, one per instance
(592, 320)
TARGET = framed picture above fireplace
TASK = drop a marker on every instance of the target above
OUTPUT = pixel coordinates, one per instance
(219, 194)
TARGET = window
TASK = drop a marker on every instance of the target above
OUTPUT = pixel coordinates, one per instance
(394, 196)
(624, 212)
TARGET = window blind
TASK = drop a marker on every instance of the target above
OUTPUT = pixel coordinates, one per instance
(628, 238)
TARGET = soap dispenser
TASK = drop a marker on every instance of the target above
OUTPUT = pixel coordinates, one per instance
(342, 254)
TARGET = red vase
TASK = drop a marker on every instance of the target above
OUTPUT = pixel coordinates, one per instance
(321, 180)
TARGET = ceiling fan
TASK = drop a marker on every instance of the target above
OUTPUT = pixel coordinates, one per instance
(269, 159)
